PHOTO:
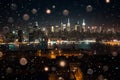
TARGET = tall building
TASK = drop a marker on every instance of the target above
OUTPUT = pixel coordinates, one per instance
(83, 25)
(77, 27)
(68, 25)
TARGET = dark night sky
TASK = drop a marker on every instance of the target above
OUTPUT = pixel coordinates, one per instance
(95, 12)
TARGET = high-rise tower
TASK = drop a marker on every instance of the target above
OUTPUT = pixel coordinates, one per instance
(83, 25)
(68, 25)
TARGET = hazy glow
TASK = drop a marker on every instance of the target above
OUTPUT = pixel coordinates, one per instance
(48, 11)
(107, 1)
(46, 68)
(23, 61)
(26, 17)
(62, 63)
(1, 54)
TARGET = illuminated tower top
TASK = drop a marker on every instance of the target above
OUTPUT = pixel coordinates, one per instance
(78, 22)
(36, 23)
(83, 24)
(68, 23)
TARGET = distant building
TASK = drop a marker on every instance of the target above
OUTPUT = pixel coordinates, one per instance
(77, 27)
(83, 26)
(68, 25)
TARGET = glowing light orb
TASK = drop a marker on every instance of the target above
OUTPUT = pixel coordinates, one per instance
(23, 61)
(6, 29)
(1, 54)
(62, 63)
(13, 6)
(48, 11)
(60, 78)
(34, 11)
(26, 17)
(107, 1)
(100, 77)
(105, 68)
(10, 20)
(90, 71)
(9, 70)
(65, 12)
(53, 6)
(89, 8)
(114, 53)
(46, 68)
(53, 68)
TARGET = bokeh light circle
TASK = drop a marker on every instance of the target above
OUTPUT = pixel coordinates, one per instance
(62, 63)
(114, 53)
(13, 6)
(48, 11)
(65, 12)
(23, 61)
(10, 20)
(9, 70)
(89, 8)
(90, 71)
(46, 68)
(34, 11)
(60, 78)
(105, 68)
(26, 17)
(1, 54)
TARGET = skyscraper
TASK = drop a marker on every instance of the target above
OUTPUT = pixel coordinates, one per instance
(68, 25)
(83, 25)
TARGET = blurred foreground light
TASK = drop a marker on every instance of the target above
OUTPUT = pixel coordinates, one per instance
(26, 17)
(105, 68)
(23, 61)
(90, 71)
(13, 6)
(34, 11)
(89, 8)
(60, 78)
(65, 12)
(100, 77)
(10, 20)
(48, 11)
(1, 54)
(62, 63)
(107, 1)
(9, 70)
(46, 68)
(53, 68)
(114, 53)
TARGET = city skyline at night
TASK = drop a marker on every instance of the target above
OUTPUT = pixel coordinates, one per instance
(59, 39)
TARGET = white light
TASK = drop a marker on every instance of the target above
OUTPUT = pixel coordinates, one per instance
(46, 69)
(48, 11)
(53, 6)
(62, 63)
(83, 24)
(107, 1)
(60, 78)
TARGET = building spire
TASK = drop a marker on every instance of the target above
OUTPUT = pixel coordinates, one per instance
(83, 24)
(68, 23)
